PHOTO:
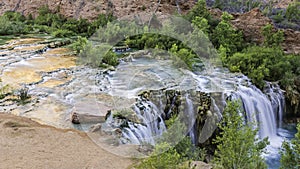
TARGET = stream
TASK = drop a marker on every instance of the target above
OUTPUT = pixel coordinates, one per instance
(58, 87)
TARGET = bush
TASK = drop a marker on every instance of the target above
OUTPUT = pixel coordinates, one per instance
(290, 154)
(61, 33)
(293, 12)
(237, 144)
(272, 39)
(10, 27)
(259, 64)
(80, 44)
(226, 36)
(110, 58)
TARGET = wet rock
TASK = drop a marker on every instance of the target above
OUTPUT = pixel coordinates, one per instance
(96, 128)
(117, 132)
(75, 118)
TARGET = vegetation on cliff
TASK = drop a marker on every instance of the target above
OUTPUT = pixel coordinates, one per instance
(290, 155)
(237, 144)
(50, 22)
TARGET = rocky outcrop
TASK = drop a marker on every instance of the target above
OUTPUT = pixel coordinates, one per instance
(90, 9)
(291, 43)
(251, 24)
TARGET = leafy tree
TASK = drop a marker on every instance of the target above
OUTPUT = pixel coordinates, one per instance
(199, 10)
(290, 155)
(173, 149)
(15, 16)
(260, 63)
(110, 58)
(80, 44)
(202, 24)
(227, 36)
(272, 39)
(163, 157)
(237, 144)
(10, 27)
(293, 11)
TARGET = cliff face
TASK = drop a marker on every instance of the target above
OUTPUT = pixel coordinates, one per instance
(252, 22)
(91, 8)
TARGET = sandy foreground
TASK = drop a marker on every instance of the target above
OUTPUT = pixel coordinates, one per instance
(28, 144)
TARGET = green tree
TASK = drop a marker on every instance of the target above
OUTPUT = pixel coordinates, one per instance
(173, 149)
(272, 39)
(290, 155)
(202, 24)
(199, 10)
(237, 144)
(227, 36)
(293, 11)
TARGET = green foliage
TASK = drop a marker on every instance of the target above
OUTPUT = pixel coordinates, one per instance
(15, 16)
(163, 157)
(237, 144)
(202, 24)
(226, 36)
(10, 27)
(183, 57)
(272, 39)
(293, 12)
(199, 10)
(173, 149)
(61, 33)
(259, 64)
(171, 121)
(290, 155)
(80, 44)
(110, 58)
(50, 22)
(98, 56)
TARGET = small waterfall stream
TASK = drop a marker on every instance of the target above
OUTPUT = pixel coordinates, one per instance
(152, 125)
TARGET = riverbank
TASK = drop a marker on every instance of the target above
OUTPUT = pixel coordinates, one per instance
(28, 144)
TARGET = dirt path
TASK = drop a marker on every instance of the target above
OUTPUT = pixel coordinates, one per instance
(27, 144)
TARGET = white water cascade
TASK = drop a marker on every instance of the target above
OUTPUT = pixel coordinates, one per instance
(152, 125)
(191, 117)
(265, 109)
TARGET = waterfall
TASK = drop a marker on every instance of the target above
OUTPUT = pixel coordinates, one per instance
(152, 124)
(189, 111)
(259, 109)
(277, 100)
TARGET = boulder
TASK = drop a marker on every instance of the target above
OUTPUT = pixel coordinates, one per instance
(75, 118)
(96, 128)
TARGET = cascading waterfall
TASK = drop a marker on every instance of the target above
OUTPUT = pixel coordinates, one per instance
(277, 100)
(258, 109)
(152, 124)
(264, 109)
(191, 117)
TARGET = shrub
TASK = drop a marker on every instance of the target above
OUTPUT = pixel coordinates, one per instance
(60, 33)
(237, 144)
(80, 44)
(290, 154)
(110, 58)
(272, 39)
